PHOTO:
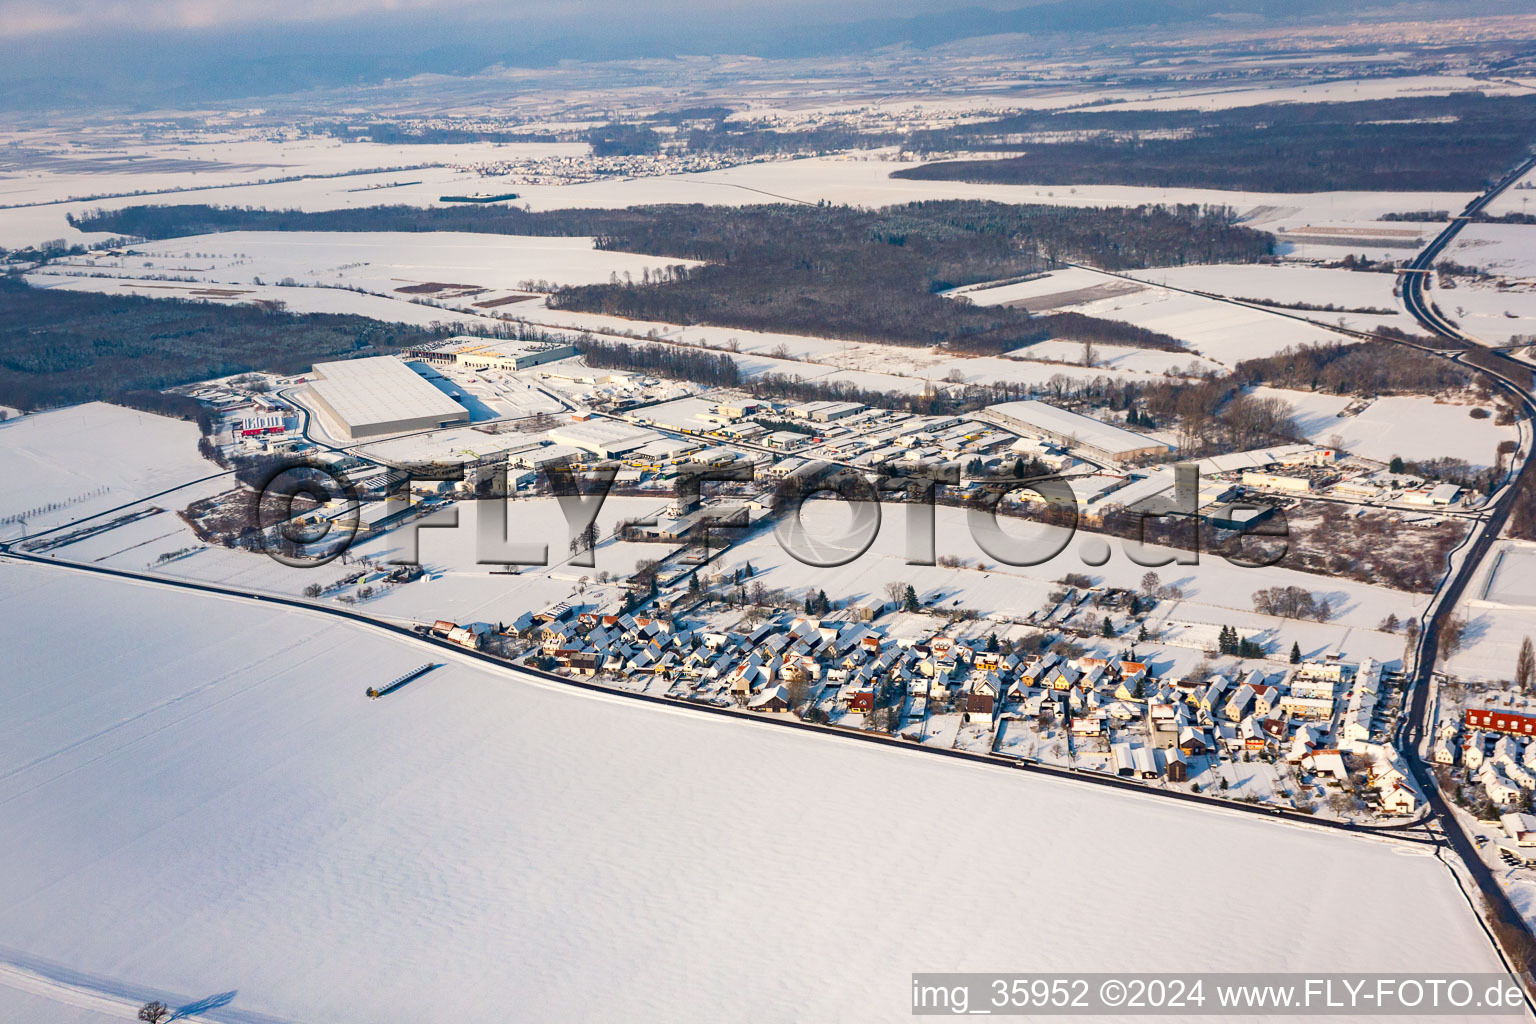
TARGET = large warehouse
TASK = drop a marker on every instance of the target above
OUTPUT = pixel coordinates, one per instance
(380, 395)
(1090, 437)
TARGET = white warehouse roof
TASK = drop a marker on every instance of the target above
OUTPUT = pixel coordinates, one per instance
(1086, 432)
(380, 393)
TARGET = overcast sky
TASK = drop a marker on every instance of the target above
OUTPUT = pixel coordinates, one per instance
(22, 18)
(156, 53)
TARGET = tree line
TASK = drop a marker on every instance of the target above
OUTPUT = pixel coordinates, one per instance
(59, 347)
(1402, 143)
(826, 271)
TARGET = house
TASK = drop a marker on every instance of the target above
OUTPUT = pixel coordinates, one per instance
(985, 689)
(1398, 799)
(1326, 762)
(1125, 763)
(857, 696)
(1087, 725)
(773, 700)
(1175, 766)
(1521, 827)
(1191, 743)
(471, 635)
(584, 663)
(1145, 759)
(1500, 790)
(1307, 707)
(1500, 721)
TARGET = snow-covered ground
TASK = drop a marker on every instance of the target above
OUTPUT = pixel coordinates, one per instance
(376, 261)
(1414, 427)
(297, 300)
(63, 465)
(1216, 591)
(200, 802)
(1508, 250)
(1223, 332)
(1284, 283)
(1499, 608)
(861, 179)
(1420, 428)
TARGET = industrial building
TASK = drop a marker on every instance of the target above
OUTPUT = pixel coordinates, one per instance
(480, 354)
(606, 438)
(826, 412)
(379, 395)
(1086, 436)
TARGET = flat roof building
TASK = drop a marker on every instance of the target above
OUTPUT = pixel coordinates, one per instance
(380, 395)
(1080, 433)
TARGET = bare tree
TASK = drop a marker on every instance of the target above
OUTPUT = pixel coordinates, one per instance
(1149, 584)
(895, 590)
(1525, 666)
(1090, 355)
(1452, 632)
(154, 1012)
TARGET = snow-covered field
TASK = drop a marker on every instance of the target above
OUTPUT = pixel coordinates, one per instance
(1499, 608)
(1223, 332)
(60, 466)
(1490, 314)
(1284, 283)
(1508, 250)
(861, 179)
(227, 819)
(1413, 427)
(1419, 428)
(297, 300)
(376, 261)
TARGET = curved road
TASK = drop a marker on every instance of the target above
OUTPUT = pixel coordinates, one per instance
(1515, 378)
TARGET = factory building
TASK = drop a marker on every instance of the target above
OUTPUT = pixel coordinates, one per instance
(380, 395)
(1081, 434)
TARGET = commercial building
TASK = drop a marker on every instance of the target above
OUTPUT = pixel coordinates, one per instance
(606, 438)
(479, 354)
(826, 412)
(1090, 437)
(379, 395)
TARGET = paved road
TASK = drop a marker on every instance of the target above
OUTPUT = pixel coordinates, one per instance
(1515, 379)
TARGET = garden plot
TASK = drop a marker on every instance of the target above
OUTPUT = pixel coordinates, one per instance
(292, 843)
(900, 368)
(1116, 357)
(456, 586)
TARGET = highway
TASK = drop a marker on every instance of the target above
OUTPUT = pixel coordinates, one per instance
(1514, 379)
